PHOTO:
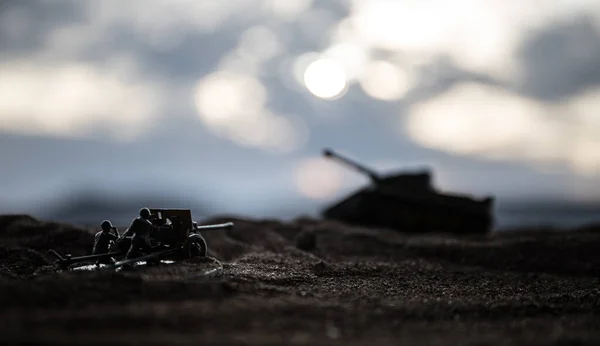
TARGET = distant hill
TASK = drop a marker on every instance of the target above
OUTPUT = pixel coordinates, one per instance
(89, 208)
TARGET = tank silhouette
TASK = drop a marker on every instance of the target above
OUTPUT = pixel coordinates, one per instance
(409, 203)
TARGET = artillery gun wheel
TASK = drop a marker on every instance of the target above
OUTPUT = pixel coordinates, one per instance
(195, 246)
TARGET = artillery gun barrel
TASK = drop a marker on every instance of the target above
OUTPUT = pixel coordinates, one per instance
(226, 225)
(362, 169)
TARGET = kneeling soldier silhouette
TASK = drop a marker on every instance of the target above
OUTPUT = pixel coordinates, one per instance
(102, 241)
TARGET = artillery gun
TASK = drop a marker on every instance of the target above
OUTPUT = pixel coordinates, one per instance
(175, 236)
(409, 203)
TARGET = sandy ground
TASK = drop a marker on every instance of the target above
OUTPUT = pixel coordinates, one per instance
(308, 282)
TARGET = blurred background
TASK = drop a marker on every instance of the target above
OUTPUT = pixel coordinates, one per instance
(224, 107)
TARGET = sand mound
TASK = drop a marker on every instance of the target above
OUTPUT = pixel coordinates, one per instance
(27, 232)
(24, 242)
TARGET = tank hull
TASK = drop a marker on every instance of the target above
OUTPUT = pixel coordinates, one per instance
(409, 203)
(413, 214)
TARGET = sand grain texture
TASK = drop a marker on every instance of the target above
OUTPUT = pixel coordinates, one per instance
(308, 282)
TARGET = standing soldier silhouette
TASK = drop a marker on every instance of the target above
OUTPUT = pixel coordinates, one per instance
(102, 241)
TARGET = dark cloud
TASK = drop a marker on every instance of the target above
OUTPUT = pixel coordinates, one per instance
(442, 74)
(561, 60)
(25, 24)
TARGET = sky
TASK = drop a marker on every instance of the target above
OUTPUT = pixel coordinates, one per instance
(231, 103)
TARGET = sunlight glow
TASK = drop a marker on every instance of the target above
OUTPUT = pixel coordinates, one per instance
(74, 100)
(318, 179)
(480, 36)
(351, 58)
(484, 121)
(233, 106)
(586, 156)
(325, 78)
(288, 9)
(584, 111)
(413, 25)
(477, 119)
(223, 96)
(383, 80)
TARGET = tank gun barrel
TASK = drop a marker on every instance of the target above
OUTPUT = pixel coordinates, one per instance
(362, 169)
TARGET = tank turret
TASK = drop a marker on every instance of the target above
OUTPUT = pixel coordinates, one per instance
(375, 178)
(406, 181)
(408, 202)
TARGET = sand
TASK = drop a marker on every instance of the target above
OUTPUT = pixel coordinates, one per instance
(308, 282)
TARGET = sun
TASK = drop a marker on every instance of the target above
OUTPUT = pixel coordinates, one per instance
(325, 78)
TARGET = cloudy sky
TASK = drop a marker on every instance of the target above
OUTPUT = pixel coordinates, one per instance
(231, 102)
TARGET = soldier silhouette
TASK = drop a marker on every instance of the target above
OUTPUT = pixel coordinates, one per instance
(102, 241)
(139, 230)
